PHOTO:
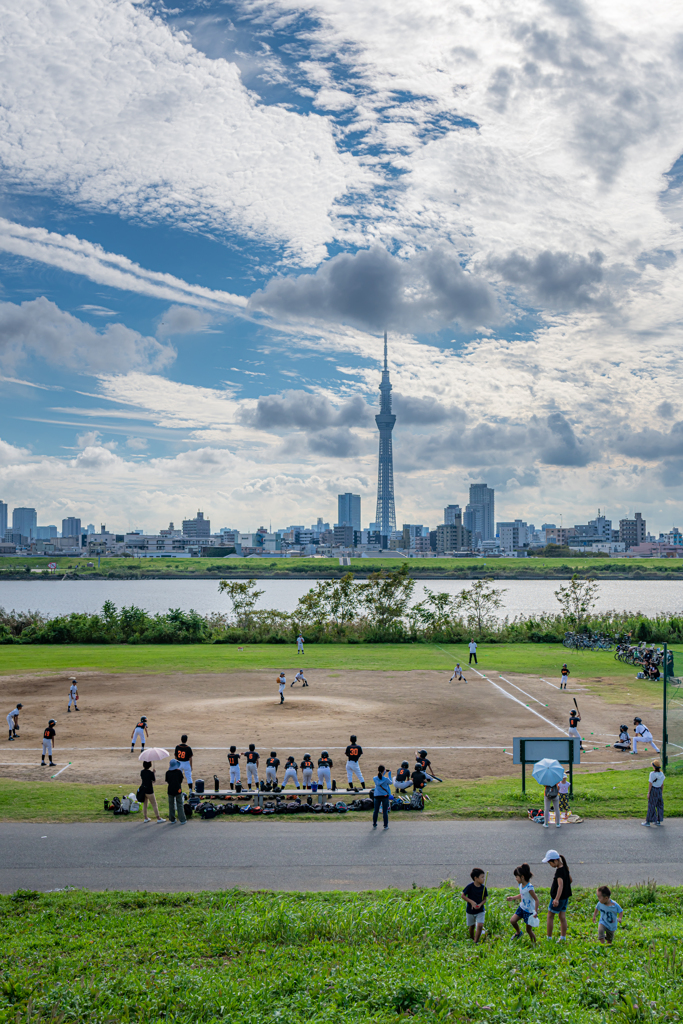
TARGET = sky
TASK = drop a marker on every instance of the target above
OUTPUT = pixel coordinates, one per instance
(209, 213)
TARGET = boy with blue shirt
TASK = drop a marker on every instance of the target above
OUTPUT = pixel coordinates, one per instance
(610, 915)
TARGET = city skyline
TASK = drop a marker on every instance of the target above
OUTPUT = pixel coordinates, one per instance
(195, 281)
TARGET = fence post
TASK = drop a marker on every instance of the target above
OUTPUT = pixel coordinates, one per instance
(665, 737)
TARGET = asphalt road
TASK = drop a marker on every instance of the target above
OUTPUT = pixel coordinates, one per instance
(319, 855)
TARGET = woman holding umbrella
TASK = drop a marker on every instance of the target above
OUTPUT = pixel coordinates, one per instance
(549, 773)
(148, 778)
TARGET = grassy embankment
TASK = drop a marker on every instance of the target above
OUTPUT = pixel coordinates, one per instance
(342, 958)
(126, 568)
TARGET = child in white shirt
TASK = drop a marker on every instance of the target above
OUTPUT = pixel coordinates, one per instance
(527, 910)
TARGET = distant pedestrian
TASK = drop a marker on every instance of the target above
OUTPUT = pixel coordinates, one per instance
(354, 752)
(610, 915)
(473, 651)
(564, 676)
(252, 757)
(383, 782)
(48, 742)
(475, 895)
(13, 721)
(560, 893)
(325, 763)
(234, 762)
(73, 696)
(174, 784)
(139, 732)
(183, 754)
(527, 910)
(307, 771)
(655, 796)
(148, 777)
(299, 644)
(551, 795)
(642, 733)
(281, 683)
(272, 765)
(300, 678)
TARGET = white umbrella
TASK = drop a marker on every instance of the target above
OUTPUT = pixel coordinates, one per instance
(154, 754)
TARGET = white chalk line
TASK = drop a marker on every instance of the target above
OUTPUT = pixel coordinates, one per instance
(521, 703)
(554, 685)
(369, 746)
(522, 691)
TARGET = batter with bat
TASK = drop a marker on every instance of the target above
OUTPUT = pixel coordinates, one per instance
(574, 719)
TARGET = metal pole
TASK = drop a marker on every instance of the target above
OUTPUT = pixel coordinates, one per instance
(664, 722)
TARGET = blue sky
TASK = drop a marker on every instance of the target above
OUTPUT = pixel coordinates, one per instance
(209, 213)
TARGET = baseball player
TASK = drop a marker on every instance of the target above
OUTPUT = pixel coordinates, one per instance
(48, 742)
(252, 765)
(307, 771)
(234, 762)
(642, 733)
(457, 674)
(564, 676)
(353, 752)
(139, 732)
(272, 765)
(290, 773)
(281, 683)
(574, 719)
(73, 696)
(183, 754)
(426, 766)
(324, 765)
(300, 678)
(13, 721)
(299, 644)
(402, 778)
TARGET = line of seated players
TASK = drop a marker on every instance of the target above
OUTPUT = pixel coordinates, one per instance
(403, 780)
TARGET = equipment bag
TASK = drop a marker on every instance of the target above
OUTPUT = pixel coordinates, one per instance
(417, 801)
(552, 792)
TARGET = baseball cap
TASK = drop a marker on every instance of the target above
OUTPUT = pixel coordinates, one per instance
(550, 855)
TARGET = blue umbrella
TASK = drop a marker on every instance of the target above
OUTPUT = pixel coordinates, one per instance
(548, 771)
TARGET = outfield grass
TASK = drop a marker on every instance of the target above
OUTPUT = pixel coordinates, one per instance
(536, 659)
(608, 794)
(342, 958)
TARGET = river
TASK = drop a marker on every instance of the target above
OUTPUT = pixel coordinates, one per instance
(520, 597)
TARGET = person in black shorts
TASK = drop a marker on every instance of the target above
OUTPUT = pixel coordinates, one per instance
(183, 754)
(353, 752)
(234, 762)
(252, 765)
(272, 765)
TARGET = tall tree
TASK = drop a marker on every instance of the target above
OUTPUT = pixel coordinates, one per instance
(243, 596)
(386, 598)
(479, 604)
(578, 598)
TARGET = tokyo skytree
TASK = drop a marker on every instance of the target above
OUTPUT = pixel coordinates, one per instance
(386, 513)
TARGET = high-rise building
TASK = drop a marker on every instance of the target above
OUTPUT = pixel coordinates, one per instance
(71, 527)
(385, 420)
(90, 529)
(24, 521)
(479, 513)
(46, 532)
(3, 519)
(348, 510)
(198, 527)
(449, 514)
(632, 531)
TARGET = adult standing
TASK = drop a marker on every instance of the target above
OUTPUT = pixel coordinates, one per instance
(560, 892)
(642, 733)
(183, 754)
(655, 796)
(13, 721)
(473, 651)
(48, 742)
(147, 779)
(174, 784)
(73, 696)
(551, 795)
(354, 752)
(382, 792)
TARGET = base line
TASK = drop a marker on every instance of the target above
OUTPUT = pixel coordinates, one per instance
(554, 685)
(522, 691)
(521, 703)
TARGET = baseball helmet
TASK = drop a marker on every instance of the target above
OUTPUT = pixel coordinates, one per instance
(422, 753)
(637, 721)
(308, 756)
(324, 754)
(52, 722)
(623, 728)
(418, 767)
(143, 718)
(404, 764)
(20, 705)
(273, 753)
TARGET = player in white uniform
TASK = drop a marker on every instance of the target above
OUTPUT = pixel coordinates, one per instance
(642, 733)
(354, 752)
(272, 765)
(307, 771)
(139, 733)
(252, 757)
(73, 696)
(457, 674)
(324, 774)
(290, 773)
(234, 762)
(281, 683)
(300, 678)
(13, 721)
(299, 644)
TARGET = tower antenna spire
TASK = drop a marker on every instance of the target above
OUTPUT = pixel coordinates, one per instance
(386, 367)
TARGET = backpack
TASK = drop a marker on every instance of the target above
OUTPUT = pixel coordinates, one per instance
(552, 792)
(208, 811)
(417, 801)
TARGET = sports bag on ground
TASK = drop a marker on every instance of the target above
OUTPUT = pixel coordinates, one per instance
(417, 801)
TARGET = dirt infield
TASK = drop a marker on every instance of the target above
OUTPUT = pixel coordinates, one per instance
(466, 727)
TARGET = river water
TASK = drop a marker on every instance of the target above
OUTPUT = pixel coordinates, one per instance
(520, 597)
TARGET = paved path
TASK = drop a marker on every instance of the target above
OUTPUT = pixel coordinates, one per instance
(340, 854)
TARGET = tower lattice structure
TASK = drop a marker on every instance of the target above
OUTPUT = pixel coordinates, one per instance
(385, 420)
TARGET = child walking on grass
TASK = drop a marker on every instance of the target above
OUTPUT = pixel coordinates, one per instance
(610, 915)
(475, 895)
(560, 893)
(527, 910)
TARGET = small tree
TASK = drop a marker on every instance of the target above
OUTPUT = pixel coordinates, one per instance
(330, 601)
(434, 614)
(386, 598)
(243, 597)
(480, 603)
(578, 598)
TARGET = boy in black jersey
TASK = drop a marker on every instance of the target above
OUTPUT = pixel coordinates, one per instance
(48, 741)
(234, 762)
(290, 773)
(419, 778)
(402, 778)
(574, 719)
(475, 895)
(183, 754)
(324, 774)
(307, 770)
(426, 765)
(353, 752)
(272, 765)
(252, 765)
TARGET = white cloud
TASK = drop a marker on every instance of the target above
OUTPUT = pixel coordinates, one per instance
(93, 439)
(183, 320)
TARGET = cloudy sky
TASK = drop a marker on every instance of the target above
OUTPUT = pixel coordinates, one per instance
(209, 213)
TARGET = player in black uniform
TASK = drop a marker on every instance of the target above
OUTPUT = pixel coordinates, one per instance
(252, 765)
(402, 778)
(419, 778)
(574, 719)
(48, 740)
(426, 765)
(324, 774)
(272, 765)
(290, 772)
(234, 762)
(183, 754)
(353, 752)
(307, 770)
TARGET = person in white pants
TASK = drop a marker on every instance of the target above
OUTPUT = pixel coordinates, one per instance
(642, 733)
(272, 765)
(139, 733)
(299, 678)
(234, 762)
(353, 752)
(252, 765)
(402, 779)
(13, 721)
(324, 773)
(290, 773)
(73, 696)
(299, 644)
(307, 771)
(281, 684)
(457, 674)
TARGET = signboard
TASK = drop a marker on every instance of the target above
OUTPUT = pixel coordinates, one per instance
(530, 749)
(52, 565)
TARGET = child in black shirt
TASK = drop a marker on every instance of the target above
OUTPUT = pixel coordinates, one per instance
(475, 895)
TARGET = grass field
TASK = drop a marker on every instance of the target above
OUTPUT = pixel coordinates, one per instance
(609, 794)
(342, 958)
(537, 659)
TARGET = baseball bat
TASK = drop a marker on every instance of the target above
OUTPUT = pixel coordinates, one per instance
(575, 704)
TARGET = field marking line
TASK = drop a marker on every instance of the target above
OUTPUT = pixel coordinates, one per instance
(370, 746)
(554, 686)
(61, 770)
(522, 691)
(521, 703)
